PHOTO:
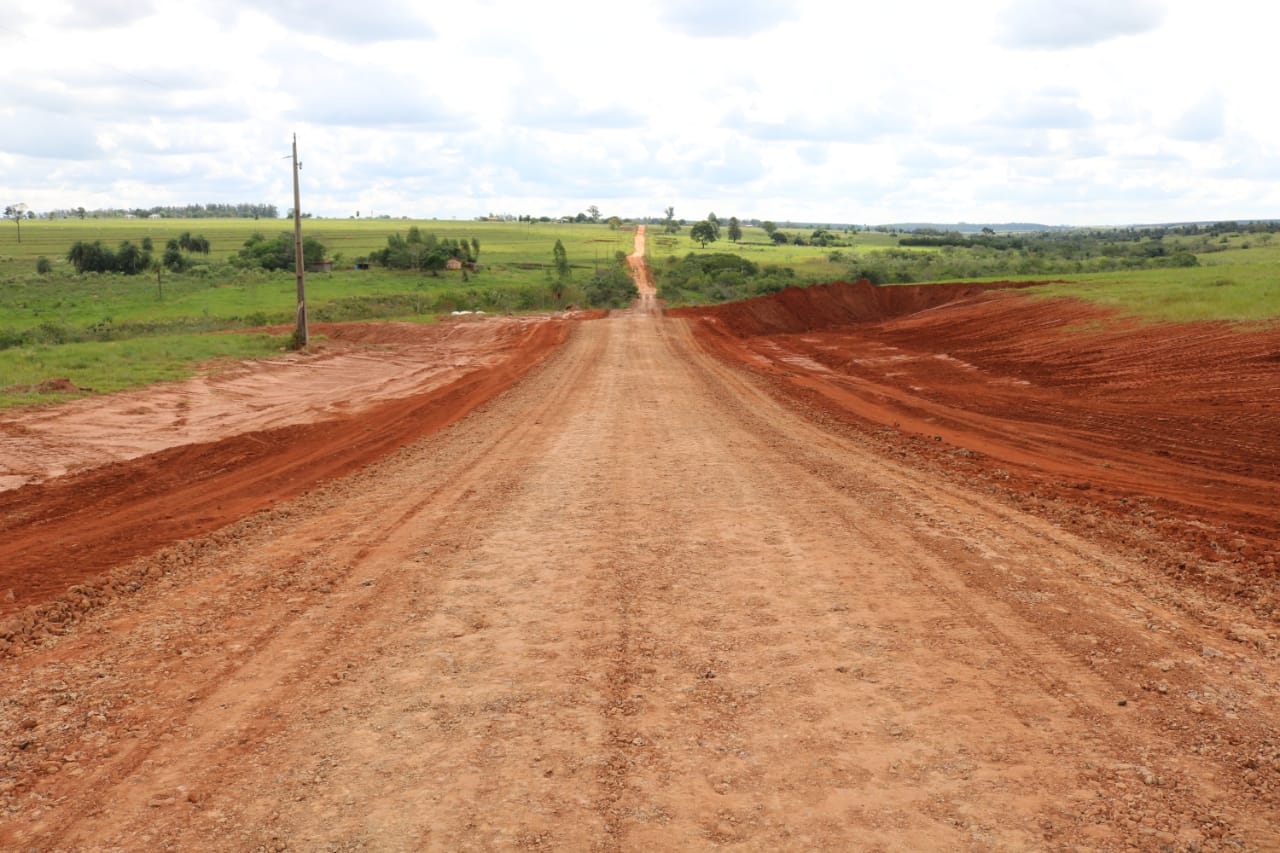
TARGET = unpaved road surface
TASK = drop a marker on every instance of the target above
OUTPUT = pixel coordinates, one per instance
(635, 603)
(638, 262)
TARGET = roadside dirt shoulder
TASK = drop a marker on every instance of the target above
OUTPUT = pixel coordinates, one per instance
(241, 442)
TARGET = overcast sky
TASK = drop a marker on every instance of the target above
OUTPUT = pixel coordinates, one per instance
(1054, 111)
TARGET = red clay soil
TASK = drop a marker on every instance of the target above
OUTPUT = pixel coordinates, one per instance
(72, 529)
(1159, 428)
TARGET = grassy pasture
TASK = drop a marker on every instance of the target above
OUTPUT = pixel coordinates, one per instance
(1243, 293)
(811, 263)
(116, 365)
(501, 243)
(218, 296)
(66, 313)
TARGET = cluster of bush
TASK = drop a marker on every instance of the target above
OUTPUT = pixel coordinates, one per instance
(277, 253)
(611, 287)
(130, 259)
(718, 277)
(423, 251)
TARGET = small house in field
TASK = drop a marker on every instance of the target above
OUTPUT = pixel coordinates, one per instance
(453, 264)
(322, 266)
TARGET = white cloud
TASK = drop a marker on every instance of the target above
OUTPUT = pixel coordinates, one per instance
(1203, 121)
(32, 133)
(1056, 24)
(1041, 113)
(347, 22)
(726, 18)
(105, 14)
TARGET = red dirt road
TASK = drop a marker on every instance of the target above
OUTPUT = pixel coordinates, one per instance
(642, 600)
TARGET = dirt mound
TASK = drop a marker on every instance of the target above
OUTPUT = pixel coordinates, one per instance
(799, 309)
(73, 528)
(1156, 429)
(60, 385)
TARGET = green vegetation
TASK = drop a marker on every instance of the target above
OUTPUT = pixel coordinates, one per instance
(800, 264)
(278, 253)
(1244, 292)
(213, 281)
(117, 365)
(704, 232)
(719, 277)
(419, 251)
(611, 287)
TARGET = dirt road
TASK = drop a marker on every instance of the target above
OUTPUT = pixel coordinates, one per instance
(636, 603)
(638, 261)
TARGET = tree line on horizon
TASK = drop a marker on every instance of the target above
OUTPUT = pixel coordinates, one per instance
(214, 210)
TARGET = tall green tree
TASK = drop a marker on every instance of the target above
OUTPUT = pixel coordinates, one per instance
(173, 258)
(704, 232)
(560, 259)
(769, 228)
(735, 229)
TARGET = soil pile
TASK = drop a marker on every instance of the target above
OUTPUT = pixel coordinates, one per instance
(1154, 426)
(800, 309)
(170, 462)
(60, 385)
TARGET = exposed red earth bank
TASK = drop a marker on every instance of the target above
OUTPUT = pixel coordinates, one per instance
(1150, 425)
(164, 464)
(848, 568)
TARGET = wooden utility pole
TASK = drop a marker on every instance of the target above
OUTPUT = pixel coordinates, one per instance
(300, 334)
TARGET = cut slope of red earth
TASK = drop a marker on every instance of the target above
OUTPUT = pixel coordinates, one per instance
(72, 529)
(1165, 427)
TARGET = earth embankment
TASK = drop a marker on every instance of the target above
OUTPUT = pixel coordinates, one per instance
(163, 464)
(825, 306)
(1145, 429)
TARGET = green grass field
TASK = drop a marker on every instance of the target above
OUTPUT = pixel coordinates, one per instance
(811, 263)
(101, 368)
(107, 332)
(1240, 285)
(500, 242)
(62, 312)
